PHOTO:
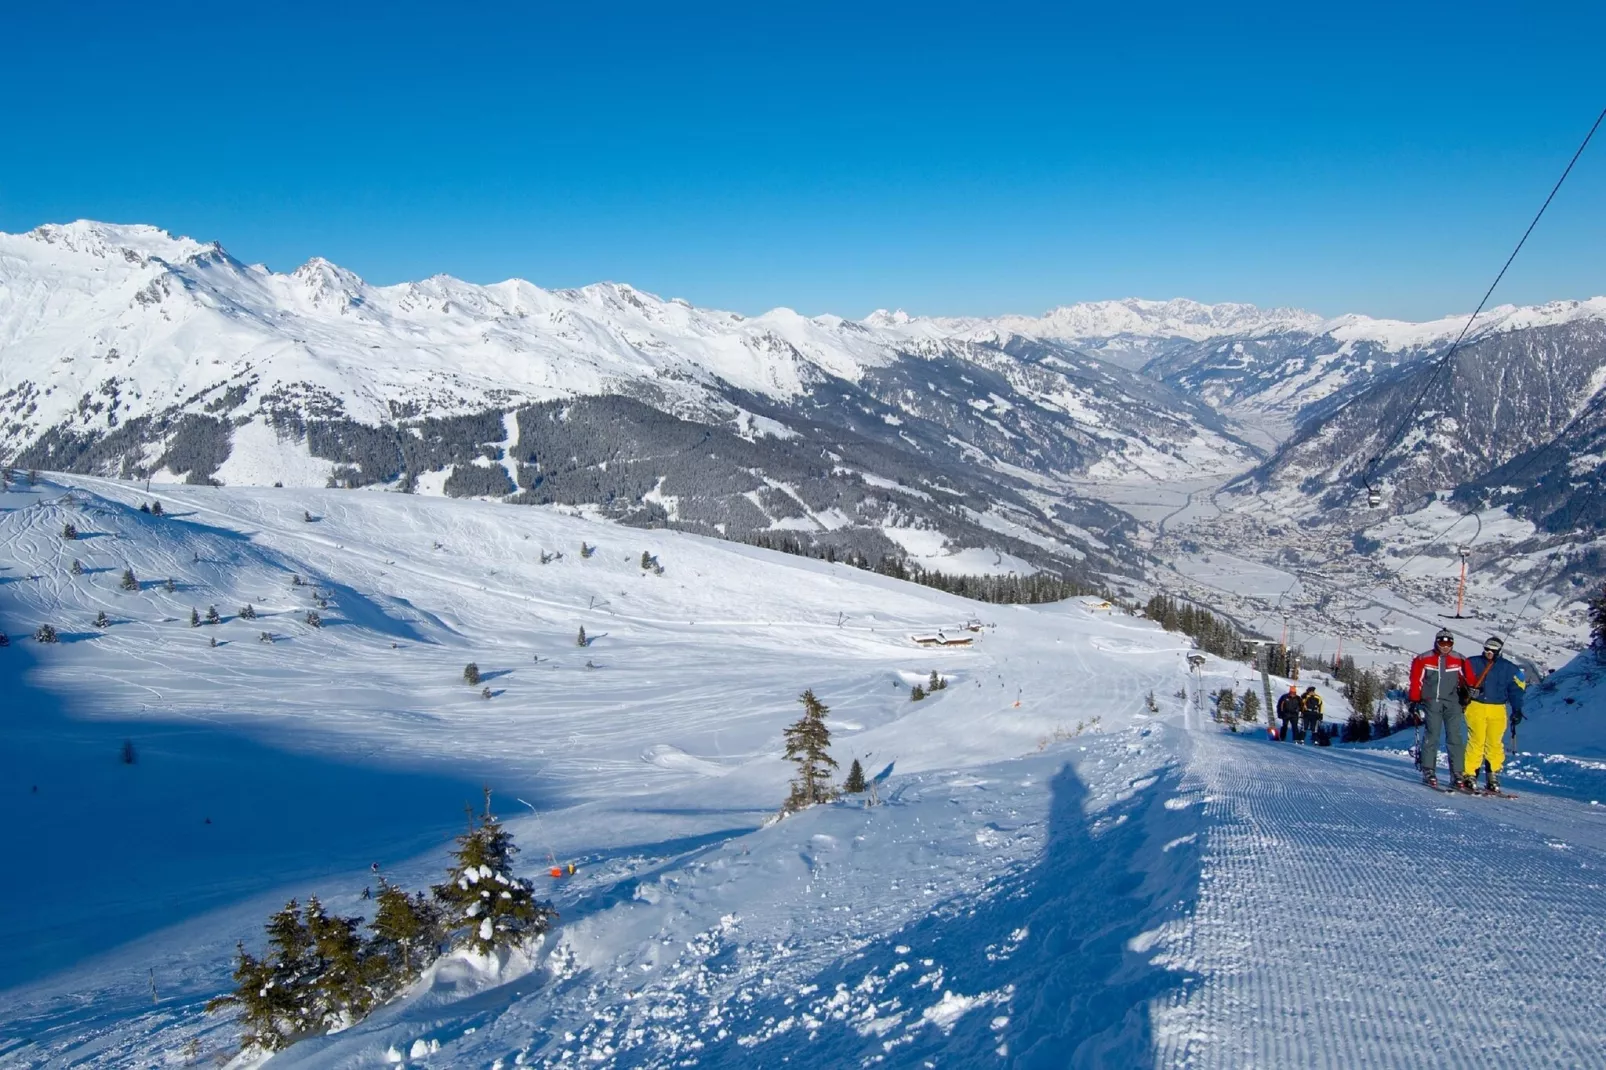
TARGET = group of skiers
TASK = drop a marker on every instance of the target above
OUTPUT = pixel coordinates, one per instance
(1297, 712)
(1467, 701)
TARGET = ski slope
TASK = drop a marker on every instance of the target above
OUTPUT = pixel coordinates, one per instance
(1057, 877)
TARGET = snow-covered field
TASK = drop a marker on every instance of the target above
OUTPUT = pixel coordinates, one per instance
(1057, 877)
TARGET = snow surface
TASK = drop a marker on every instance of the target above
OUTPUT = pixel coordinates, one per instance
(1057, 876)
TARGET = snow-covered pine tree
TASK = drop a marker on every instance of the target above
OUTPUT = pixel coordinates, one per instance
(343, 984)
(144, 507)
(936, 683)
(5, 640)
(916, 693)
(646, 560)
(211, 615)
(156, 508)
(855, 781)
(46, 634)
(77, 568)
(129, 583)
(586, 551)
(487, 907)
(275, 994)
(485, 692)
(101, 620)
(407, 937)
(471, 674)
(1597, 623)
(1251, 705)
(69, 532)
(581, 639)
(248, 612)
(313, 618)
(195, 618)
(807, 746)
(170, 585)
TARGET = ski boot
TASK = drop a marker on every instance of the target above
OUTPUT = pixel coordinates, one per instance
(1430, 779)
(1466, 785)
(1491, 783)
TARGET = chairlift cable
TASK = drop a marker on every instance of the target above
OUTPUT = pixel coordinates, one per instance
(1443, 362)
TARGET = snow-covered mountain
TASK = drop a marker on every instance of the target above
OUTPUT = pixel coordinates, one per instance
(126, 351)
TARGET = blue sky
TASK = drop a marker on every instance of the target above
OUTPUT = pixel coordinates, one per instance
(943, 158)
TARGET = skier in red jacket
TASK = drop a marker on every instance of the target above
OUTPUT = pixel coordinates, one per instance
(1436, 681)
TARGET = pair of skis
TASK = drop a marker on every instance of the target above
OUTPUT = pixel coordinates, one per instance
(1498, 793)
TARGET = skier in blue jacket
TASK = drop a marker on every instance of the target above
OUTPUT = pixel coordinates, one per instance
(1494, 685)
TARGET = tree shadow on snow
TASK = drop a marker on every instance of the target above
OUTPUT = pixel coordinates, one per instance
(1073, 935)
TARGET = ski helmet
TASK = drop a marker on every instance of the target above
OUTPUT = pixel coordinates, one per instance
(1445, 636)
(1494, 644)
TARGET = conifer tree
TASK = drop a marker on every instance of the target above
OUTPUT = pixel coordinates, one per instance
(407, 936)
(1597, 623)
(586, 551)
(471, 674)
(211, 615)
(101, 621)
(195, 618)
(581, 639)
(313, 618)
(5, 640)
(916, 693)
(342, 988)
(248, 612)
(485, 692)
(170, 585)
(46, 634)
(646, 560)
(807, 743)
(69, 532)
(936, 683)
(129, 583)
(1251, 705)
(156, 508)
(486, 907)
(855, 781)
(275, 994)
(77, 568)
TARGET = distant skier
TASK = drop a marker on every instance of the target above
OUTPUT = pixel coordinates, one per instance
(1310, 712)
(1288, 710)
(1494, 685)
(1437, 679)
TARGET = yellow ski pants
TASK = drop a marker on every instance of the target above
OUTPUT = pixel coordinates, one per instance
(1486, 732)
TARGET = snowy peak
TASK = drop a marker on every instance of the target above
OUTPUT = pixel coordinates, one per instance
(131, 241)
(1177, 318)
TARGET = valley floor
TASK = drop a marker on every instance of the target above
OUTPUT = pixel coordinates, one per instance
(1058, 875)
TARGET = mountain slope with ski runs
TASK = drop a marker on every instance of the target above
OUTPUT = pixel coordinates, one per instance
(1070, 866)
(969, 444)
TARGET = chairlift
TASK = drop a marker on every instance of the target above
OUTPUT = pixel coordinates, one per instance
(1374, 497)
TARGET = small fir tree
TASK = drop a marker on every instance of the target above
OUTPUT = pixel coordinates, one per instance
(77, 568)
(1597, 623)
(807, 746)
(145, 507)
(156, 508)
(170, 586)
(129, 583)
(485, 692)
(343, 988)
(195, 618)
(313, 618)
(129, 757)
(646, 560)
(936, 683)
(406, 936)
(581, 638)
(471, 674)
(275, 994)
(69, 532)
(855, 781)
(248, 612)
(46, 634)
(211, 615)
(306, 516)
(485, 906)
(1251, 705)
(5, 640)
(586, 551)
(916, 693)
(101, 620)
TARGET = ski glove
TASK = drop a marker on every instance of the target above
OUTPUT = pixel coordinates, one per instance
(1463, 693)
(1416, 709)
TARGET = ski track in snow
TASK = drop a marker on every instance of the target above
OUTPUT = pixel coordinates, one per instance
(1349, 918)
